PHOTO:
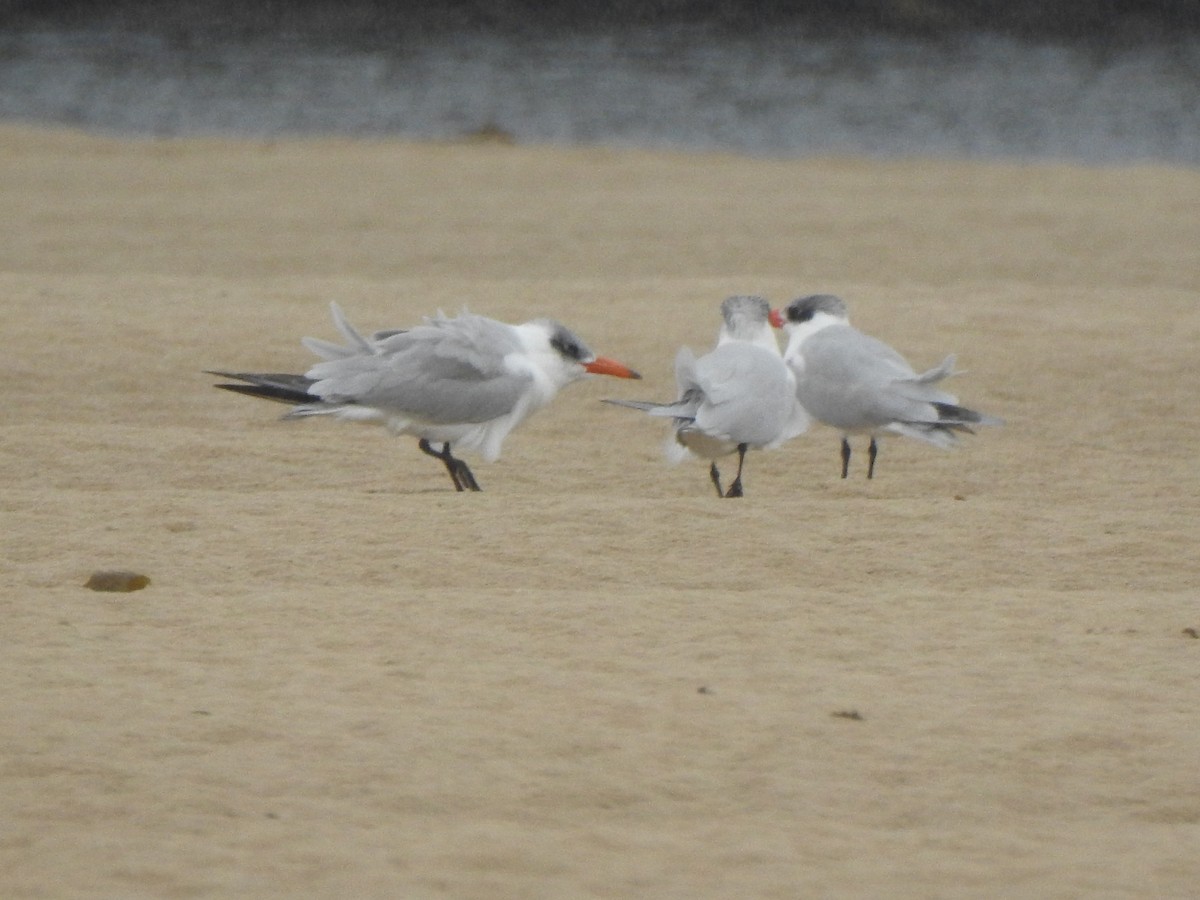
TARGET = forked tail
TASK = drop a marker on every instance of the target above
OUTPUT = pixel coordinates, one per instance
(960, 418)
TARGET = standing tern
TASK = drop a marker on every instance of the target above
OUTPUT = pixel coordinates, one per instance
(737, 397)
(858, 384)
(462, 382)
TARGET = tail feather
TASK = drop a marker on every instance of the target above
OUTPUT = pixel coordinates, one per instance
(280, 387)
(349, 331)
(356, 345)
(959, 417)
(944, 369)
(952, 421)
(644, 405)
(938, 435)
(328, 349)
(681, 410)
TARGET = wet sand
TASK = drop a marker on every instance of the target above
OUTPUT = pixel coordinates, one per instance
(973, 676)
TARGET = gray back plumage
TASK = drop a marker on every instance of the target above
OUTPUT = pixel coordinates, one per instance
(444, 371)
(745, 395)
(852, 380)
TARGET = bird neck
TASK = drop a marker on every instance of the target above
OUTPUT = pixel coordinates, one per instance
(763, 336)
(798, 333)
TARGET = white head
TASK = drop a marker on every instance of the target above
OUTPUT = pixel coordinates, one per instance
(562, 357)
(745, 318)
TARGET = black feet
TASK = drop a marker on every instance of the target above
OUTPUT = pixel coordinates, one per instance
(460, 472)
(465, 476)
(735, 489)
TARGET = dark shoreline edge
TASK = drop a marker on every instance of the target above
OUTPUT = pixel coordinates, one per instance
(367, 22)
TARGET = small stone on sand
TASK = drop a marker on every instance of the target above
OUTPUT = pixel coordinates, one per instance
(117, 581)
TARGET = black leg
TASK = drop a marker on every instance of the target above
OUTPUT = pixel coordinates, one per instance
(716, 479)
(465, 477)
(872, 449)
(445, 457)
(735, 489)
(460, 472)
(845, 456)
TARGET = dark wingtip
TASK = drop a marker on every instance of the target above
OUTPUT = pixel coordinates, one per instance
(282, 388)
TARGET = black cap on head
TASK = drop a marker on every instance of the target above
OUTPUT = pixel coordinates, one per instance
(571, 347)
(804, 308)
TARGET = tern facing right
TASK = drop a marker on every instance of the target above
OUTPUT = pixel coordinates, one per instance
(462, 382)
(853, 382)
(737, 397)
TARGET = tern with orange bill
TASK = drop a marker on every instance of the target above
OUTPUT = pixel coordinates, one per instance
(738, 397)
(460, 382)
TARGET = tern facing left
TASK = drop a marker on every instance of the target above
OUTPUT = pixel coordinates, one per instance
(737, 397)
(859, 384)
(462, 382)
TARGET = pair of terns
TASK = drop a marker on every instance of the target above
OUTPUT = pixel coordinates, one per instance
(746, 395)
(465, 382)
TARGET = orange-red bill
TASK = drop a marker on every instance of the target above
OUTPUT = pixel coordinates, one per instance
(602, 365)
(776, 318)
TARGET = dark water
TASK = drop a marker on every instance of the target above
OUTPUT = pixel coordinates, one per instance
(786, 91)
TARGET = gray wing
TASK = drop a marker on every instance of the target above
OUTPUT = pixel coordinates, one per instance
(682, 410)
(746, 391)
(445, 371)
(921, 387)
(355, 343)
(691, 395)
(685, 371)
(851, 380)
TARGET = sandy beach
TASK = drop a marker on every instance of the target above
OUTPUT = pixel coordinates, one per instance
(973, 676)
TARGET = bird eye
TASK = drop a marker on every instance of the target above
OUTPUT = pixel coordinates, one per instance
(566, 347)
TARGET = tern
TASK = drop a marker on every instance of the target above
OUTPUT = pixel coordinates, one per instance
(463, 382)
(739, 396)
(859, 384)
